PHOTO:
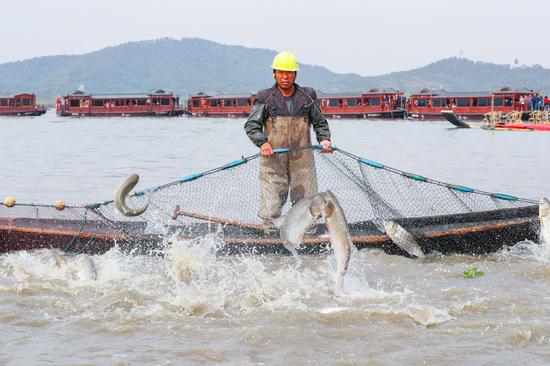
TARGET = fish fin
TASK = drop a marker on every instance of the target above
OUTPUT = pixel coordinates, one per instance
(278, 221)
(403, 239)
(59, 260)
(291, 247)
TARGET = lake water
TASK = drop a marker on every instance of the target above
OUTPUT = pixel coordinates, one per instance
(260, 310)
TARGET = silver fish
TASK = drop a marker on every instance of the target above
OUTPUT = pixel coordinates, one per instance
(403, 239)
(302, 215)
(82, 267)
(121, 195)
(85, 268)
(340, 239)
(58, 258)
(544, 216)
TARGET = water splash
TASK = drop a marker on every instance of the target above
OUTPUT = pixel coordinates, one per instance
(190, 279)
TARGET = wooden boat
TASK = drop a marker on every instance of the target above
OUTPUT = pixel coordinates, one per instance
(470, 233)
(375, 103)
(158, 103)
(459, 122)
(21, 105)
(429, 104)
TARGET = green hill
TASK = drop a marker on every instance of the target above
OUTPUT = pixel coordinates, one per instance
(190, 65)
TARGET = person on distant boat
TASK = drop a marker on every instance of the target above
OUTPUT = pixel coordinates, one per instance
(521, 103)
(281, 118)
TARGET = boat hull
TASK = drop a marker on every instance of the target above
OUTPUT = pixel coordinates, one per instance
(471, 233)
(178, 113)
(34, 112)
(466, 116)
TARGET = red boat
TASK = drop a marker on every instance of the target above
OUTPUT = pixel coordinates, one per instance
(222, 105)
(389, 103)
(374, 104)
(156, 103)
(20, 105)
(473, 105)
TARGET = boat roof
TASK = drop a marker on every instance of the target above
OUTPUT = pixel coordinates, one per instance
(339, 95)
(158, 92)
(16, 95)
(373, 91)
(444, 93)
(383, 91)
(508, 90)
(222, 96)
(232, 96)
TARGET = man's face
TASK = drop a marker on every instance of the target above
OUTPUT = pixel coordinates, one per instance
(285, 79)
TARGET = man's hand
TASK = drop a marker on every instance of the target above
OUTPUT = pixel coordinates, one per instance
(266, 149)
(326, 146)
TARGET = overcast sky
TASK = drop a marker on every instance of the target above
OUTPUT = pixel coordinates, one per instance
(366, 37)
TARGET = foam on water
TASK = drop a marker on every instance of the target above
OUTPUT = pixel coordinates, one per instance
(190, 279)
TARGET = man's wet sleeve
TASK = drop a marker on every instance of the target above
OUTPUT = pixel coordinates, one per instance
(319, 122)
(254, 125)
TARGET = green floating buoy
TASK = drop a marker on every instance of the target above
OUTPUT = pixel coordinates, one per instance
(473, 272)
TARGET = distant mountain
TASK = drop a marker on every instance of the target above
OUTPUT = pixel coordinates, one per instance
(189, 65)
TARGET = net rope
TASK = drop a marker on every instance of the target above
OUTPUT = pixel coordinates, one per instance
(367, 191)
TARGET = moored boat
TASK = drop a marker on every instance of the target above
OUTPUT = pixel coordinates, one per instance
(220, 105)
(387, 103)
(156, 103)
(20, 105)
(375, 103)
(429, 104)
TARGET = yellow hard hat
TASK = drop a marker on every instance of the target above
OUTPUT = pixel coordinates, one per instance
(285, 61)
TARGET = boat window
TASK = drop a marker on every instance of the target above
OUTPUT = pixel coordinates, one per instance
(75, 103)
(375, 101)
(228, 103)
(422, 102)
(27, 102)
(119, 102)
(498, 101)
(241, 102)
(4, 102)
(165, 101)
(463, 102)
(351, 102)
(213, 103)
(437, 102)
(98, 102)
(196, 103)
(334, 102)
(141, 101)
(508, 101)
(483, 102)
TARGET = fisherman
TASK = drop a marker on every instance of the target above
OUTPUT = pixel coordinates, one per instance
(281, 118)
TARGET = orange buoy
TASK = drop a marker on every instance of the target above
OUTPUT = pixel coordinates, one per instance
(9, 201)
(59, 205)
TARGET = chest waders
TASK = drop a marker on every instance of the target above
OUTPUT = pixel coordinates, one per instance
(293, 172)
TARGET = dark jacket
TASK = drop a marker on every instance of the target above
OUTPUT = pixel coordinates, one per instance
(271, 103)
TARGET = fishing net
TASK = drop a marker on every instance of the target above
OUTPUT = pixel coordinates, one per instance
(226, 200)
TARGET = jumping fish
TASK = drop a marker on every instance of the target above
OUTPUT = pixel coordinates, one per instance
(85, 268)
(403, 239)
(544, 216)
(82, 268)
(58, 258)
(302, 215)
(121, 195)
(340, 239)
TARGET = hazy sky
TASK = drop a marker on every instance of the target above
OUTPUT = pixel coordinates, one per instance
(366, 37)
